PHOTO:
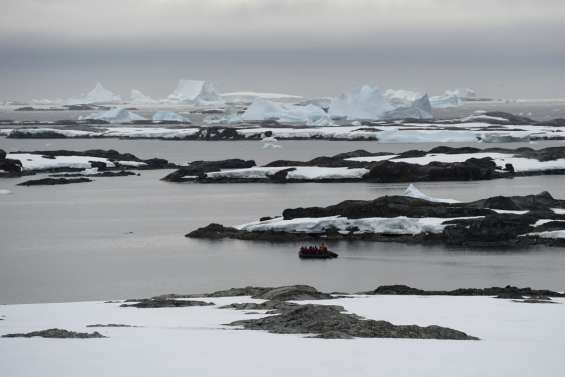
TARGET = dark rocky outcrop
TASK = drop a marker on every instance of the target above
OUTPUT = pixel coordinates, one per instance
(9, 167)
(270, 306)
(294, 293)
(469, 170)
(109, 173)
(54, 181)
(164, 303)
(56, 333)
(330, 322)
(198, 168)
(504, 292)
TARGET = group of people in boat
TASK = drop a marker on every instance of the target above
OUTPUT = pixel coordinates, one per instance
(314, 249)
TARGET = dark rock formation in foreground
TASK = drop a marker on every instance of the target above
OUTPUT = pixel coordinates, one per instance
(501, 292)
(164, 303)
(54, 181)
(471, 224)
(330, 322)
(284, 293)
(56, 333)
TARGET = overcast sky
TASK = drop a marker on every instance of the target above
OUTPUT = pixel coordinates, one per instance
(502, 48)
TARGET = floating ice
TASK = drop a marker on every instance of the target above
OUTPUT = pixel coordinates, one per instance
(169, 116)
(367, 102)
(418, 109)
(5, 192)
(401, 97)
(445, 101)
(413, 192)
(462, 93)
(117, 115)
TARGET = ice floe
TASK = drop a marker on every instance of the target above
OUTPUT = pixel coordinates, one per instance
(413, 192)
(137, 97)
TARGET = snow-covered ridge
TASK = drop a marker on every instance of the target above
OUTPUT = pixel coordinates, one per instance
(35, 162)
(301, 173)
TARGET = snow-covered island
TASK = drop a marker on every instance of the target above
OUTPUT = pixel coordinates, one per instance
(501, 221)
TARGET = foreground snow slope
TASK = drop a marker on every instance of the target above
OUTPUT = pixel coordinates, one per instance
(519, 340)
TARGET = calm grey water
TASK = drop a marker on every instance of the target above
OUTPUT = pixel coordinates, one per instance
(124, 237)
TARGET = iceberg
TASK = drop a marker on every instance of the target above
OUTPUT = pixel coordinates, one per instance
(169, 116)
(462, 93)
(445, 101)
(195, 92)
(413, 192)
(250, 96)
(401, 97)
(418, 109)
(137, 96)
(97, 95)
(117, 115)
(262, 109)
(367, 102)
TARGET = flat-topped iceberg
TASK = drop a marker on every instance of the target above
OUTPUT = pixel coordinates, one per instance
(262, 109)
(462, 93)
(195, 92)
(250, 96)
(97, 95)
(117, 115)
(445, 101)
(169, 116)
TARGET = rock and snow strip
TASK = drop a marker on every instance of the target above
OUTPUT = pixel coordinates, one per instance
(517, 339)
(375, 225)
(301, 173)
(37, 162)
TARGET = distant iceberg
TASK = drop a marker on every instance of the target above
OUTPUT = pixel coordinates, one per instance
(369, 102)
(413, 192)
(137, 97)
(97, 95)
(463, 93)
(195, 92)
(169, 116)
(262, 109)
(250, 96)
(117, 115)
(445, 101)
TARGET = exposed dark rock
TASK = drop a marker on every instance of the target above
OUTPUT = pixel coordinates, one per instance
(541, 201)
(387, 206)
(508, 291)
(110, 325)
(271, 306)
(469, 170)
(281, 175)
(329, 322)
(56, 333)
(198, 168)
(164, 303)
(53, 181)
(294, 293)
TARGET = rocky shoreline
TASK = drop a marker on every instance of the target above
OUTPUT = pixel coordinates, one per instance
(501, 221)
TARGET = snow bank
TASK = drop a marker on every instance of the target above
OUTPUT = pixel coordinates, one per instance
(169, 116)
(413, 192)
(117, 115)
(195, 92)
(262, 109)
(554, 234)
(97, 95)
(375, 225)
